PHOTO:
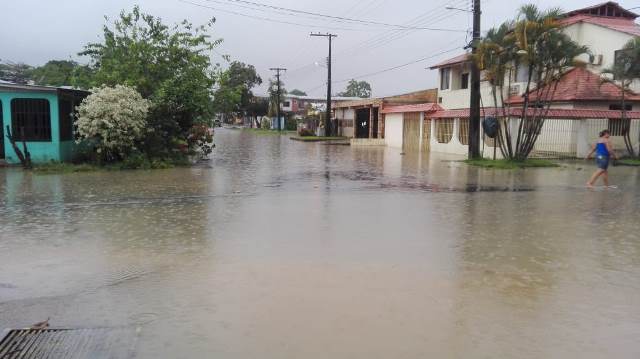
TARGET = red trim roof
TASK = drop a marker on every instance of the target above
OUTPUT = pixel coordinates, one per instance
(609, 8)
(554, 113)
(625, 25)
(580, 84)
(453, 61)
(421, 107)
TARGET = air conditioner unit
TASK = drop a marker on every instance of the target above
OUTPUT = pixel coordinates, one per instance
(514, 90)
(595, 60)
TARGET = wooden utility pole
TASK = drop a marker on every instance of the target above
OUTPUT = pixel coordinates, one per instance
(278, 70)
(474, 107)
(327, 119)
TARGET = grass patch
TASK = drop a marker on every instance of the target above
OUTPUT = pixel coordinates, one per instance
(61, 167)
(262, 131)
(135, 162)
(318, 138)
(634, 162)
(510, 164)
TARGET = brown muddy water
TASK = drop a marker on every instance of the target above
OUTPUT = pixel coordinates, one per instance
(280, 249)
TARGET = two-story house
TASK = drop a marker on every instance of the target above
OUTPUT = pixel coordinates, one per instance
(579, 101)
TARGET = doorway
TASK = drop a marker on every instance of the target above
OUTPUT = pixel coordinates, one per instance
(362, 123)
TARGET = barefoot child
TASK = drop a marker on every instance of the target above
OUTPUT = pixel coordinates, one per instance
(603, 150)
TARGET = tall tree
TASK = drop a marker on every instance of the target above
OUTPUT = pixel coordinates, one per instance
(170, 65)
(534, 41)
(297, 92)
(357, 89)
(55, 73)
(234, 94)
(19, 73)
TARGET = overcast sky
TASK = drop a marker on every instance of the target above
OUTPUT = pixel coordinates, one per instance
(35, 31)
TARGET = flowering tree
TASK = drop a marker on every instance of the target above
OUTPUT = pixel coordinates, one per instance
(115, 118)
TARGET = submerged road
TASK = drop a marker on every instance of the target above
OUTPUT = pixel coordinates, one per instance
(281, 249)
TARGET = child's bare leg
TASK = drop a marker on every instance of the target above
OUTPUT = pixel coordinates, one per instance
(594, 178)
(605, 178)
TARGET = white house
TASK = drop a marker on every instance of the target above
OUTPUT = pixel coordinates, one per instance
(584, 104)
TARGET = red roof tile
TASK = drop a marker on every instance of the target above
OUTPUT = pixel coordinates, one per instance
(609, 8)
(580, 84)
(554, 113)
(453, 61)
(421, 107)
(626, 25)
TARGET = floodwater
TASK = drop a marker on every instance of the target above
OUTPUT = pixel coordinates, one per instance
(280, 249)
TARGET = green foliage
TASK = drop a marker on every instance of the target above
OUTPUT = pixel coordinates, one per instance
(201, 137)
(357, 89)
(169, 65)
(534, 41)
(234, 96)
(510, 164)
(15, 72)
(55, 73)
(297, 92)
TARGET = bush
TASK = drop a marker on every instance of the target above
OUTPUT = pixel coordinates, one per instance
(114, 118)
(290, 124)
(306, 133)
(201, 136)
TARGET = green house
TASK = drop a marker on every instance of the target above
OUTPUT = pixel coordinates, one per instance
(40, 115)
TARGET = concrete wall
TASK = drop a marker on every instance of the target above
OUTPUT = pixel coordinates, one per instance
(41, 151)
(393, 130)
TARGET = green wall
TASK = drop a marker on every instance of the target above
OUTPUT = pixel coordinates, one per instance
(53, 150)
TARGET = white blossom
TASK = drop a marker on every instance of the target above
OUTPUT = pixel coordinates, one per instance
(114, 116)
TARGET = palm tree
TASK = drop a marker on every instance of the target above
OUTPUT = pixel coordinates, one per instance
(533, 40)
(625, 70)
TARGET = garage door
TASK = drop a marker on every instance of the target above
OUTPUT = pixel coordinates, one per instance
(411, 132)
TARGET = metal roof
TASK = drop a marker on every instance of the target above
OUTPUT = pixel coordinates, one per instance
(6, 86)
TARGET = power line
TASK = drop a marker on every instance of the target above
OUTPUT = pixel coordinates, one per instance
(457, 48)
(358, 21)
(433, 15)
(268, 19)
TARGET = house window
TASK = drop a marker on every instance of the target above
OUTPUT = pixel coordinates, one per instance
(618, 107)
(65, 116)
(33, 116)
(463, 132)
(445, 78)
(286, 104)
(444, 130)
(464, 81)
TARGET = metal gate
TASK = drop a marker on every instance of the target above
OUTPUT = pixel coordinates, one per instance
(426, 135)
(411, 132)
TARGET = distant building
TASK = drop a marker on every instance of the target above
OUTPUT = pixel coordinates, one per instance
(365, 121)
(43, 115)
(299, 106)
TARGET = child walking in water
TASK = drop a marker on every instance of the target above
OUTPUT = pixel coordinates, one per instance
(603, 150)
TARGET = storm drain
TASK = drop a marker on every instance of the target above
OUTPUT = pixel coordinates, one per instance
(95, 343)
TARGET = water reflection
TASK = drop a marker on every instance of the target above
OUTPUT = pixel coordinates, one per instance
(280, 249)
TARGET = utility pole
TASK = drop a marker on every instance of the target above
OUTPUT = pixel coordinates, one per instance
(278, 70)
(474, 108)
(327, 119)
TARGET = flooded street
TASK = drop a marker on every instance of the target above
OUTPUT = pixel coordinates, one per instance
(280, 249)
